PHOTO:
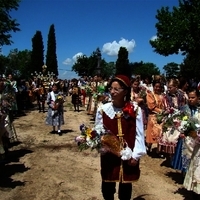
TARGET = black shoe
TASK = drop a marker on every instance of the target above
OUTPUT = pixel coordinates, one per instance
(53, 132)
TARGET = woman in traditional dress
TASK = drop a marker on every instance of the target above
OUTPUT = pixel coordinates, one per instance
(76, 95)
(123, 119)
(192, 152)
(55, 116)
(138, 94)
(174, 99)
(155, 106)
(40, 95)
(92, 97)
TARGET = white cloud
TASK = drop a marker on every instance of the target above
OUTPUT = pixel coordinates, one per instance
(112, 48)
(68, 61)
(155, 37)
(68, 75)
(76, 56)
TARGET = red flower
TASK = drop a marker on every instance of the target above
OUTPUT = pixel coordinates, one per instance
(129, 109)
(93, 134)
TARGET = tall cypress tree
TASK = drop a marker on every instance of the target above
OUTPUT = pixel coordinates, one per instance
(122, 63)
(51, 57)
(37, 56)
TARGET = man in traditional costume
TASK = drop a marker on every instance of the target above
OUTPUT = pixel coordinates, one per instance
(124, 145)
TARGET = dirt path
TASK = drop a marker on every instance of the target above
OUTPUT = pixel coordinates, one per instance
(46, 166)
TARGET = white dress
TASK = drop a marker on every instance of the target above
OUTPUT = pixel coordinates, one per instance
(192, 178)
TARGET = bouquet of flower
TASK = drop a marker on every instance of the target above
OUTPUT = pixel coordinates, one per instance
(103, 141)
(6, 102)
(88, 90)
(170, 121)
(89, 138)
(59, 101)
(189, 126)
(173, 120)
(142, 93)
(168, 116)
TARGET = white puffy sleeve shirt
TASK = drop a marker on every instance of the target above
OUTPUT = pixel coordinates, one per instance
(139, 149)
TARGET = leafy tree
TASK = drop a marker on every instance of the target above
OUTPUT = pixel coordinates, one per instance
(37, 56)
(18, 63)
(3, 64)
(24, 63)
(172, 70)
(13, 63)
(178, 31)
(144, 69)
(122, 63)
(7, 24)
(190, 67)
(89, 66)
(81, 66)
(51, 57)
(108, 69)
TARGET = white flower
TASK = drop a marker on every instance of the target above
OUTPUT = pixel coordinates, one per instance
(126, 153)
(91, 143)
(99, 128)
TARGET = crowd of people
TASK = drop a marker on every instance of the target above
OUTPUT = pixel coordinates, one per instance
(170, 115)
(144, 113)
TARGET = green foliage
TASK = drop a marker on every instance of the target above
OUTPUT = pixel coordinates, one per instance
(81, 66)
(18, 63)
(179, 29)
(3, 64)
(190, 67)
(122, 63)
(51, 57)
(37, 57)
(172, 70)
(7, 24)
(88, 66)
(144, 69)
(108, 69)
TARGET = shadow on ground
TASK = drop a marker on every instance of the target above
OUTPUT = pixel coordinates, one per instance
(9, 167)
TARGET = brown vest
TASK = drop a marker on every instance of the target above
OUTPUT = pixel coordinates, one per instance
(113, 169)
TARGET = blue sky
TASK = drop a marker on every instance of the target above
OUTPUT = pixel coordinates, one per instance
(83, 25)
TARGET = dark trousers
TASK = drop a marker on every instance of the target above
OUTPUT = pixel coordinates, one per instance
(109, 188)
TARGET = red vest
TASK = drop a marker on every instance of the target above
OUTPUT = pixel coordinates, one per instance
(113, 169)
